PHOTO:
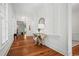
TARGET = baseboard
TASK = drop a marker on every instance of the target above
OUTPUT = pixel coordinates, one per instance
(6, 47)
(56, 50)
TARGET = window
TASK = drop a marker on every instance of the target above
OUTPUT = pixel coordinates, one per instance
(4, 19)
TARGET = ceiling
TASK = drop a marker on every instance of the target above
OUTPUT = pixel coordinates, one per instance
(26, 8)
(30, 9)
(75, 7)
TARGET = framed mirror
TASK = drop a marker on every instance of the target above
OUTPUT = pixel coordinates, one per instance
(41, 24)
(41, 20)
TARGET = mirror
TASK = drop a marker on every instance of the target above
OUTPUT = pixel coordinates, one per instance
(41, 20)
(41, 24)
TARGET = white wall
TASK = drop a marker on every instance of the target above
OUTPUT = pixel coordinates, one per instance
(0, 32)
(11, 22)
(75, 22)
(56, 17)
(69, 29)
(75, 25)
(11, 29)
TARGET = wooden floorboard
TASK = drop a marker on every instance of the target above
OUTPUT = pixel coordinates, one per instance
(75, 50)
(26, 47)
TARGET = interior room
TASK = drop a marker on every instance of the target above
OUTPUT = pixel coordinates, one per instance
(34, 29)
(75, 29)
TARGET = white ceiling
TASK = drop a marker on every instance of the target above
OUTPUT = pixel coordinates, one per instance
(75, 7)
(26, 8)
(30, 9)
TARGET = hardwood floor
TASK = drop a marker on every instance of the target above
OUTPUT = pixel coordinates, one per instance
(75, 50)
(26, 47)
